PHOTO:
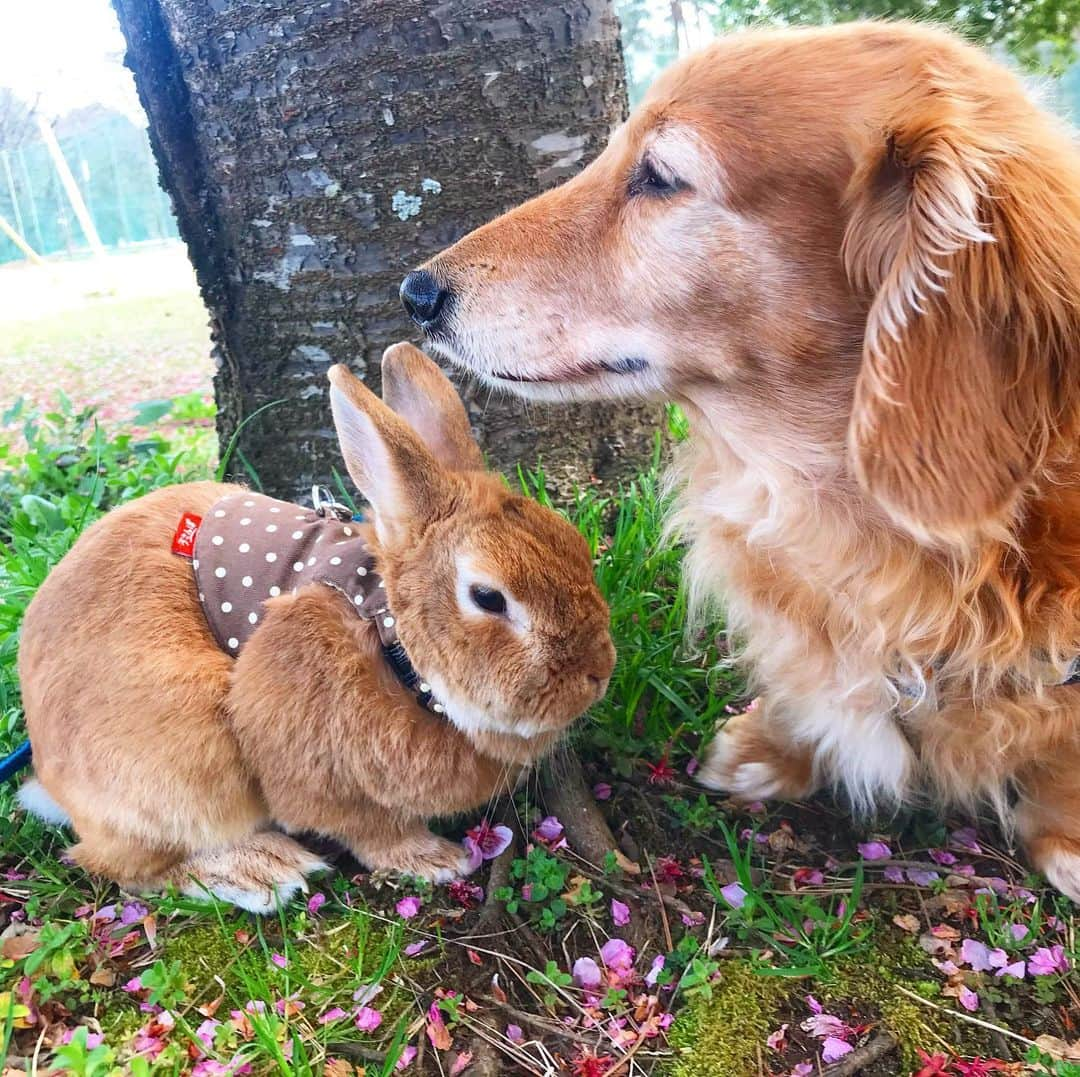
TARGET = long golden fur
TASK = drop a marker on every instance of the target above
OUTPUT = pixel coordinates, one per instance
(174, 761)
(853, 256)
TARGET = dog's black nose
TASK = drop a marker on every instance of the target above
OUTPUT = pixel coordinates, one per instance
(422, 298)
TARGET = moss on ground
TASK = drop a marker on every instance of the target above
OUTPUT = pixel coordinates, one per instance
(723, 1036)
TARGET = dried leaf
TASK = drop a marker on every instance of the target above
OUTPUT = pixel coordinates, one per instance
(496, 990)
(439, 1035)
(626, 863)
(461, 1063)
(103, 977)
(16, 947)
(907, 922)
(1059, 1048)
(338, 1067)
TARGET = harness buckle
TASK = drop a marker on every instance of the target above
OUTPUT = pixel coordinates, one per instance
(322, 501)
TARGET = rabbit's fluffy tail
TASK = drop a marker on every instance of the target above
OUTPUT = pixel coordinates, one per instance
(33, 798)
(261, 873)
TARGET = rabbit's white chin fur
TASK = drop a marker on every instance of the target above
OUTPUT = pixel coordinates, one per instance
(472, 720)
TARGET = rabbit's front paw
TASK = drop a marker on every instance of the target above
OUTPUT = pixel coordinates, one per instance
(422, 854)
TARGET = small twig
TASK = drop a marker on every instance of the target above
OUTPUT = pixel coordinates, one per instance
(549, 1028)
(966, 1017)
(663, 907)
(991, 1009)
(357, 1051)
(854, 1061)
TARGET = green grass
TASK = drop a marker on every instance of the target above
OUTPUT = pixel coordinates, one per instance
(190, 987)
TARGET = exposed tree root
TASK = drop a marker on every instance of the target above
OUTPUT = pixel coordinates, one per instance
(567, 795)
(855, 1061)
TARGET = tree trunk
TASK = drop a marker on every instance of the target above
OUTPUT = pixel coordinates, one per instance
(316, 150)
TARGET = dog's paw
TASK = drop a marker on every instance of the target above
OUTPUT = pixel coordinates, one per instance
(723, 771)
(1059, 860)
(742, 761)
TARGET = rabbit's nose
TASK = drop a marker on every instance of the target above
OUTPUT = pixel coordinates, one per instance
(598, 685)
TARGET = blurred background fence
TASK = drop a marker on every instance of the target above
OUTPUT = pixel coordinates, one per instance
(112, 166)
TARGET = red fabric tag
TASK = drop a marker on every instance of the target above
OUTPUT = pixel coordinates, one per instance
(183, 541)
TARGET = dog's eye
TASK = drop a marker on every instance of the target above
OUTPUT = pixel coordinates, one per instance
(487, 599)
(648, 180)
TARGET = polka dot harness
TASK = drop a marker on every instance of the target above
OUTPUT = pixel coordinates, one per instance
(250, 548)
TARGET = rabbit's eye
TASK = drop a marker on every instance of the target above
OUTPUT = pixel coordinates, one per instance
(487, 599)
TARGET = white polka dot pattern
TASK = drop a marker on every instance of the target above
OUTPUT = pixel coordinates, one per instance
(242, 558)
(236, 578)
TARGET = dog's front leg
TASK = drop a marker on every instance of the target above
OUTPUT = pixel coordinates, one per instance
(797, 740)
(753, 758)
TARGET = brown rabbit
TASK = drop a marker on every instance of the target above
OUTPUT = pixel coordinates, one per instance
(182, 742)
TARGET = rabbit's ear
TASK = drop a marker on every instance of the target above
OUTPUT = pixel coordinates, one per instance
(389, 463)
(426, 399)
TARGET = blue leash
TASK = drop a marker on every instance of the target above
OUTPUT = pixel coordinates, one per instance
(18, 760)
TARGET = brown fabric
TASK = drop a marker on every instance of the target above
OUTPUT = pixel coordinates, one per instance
(251, 547)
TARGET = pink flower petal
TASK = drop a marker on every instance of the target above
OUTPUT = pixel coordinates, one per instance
(964, 838)
(602, 791)
(922, 877)
(616, 954)
(280, 960)
(405, 1060)
(834, 1048)
(893, 874)
(734, 895)
(548, 830)
(415, 948)
(1048, 960)
(476, 854)
(655, 969)
(335, 1013)
(775, 1040)
(514, 1034)
(812, 1004)
(943, 857)
(976, 954)
(586, 973)
(367, 1019)
(874, 850)
(620, 912)
(408, 907)
(968, 999)
(205, 1032)
(1017, 969)
(315, 903)
(498, 842)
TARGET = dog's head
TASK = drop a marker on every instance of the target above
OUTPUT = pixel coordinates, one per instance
(855, 248)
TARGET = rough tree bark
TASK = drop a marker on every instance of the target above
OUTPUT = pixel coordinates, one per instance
(315, 150)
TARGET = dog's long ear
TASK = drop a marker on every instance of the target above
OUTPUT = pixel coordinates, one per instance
(962, 235)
